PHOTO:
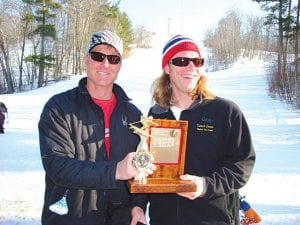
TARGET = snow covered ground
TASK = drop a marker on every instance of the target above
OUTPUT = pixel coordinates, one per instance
(272, 189)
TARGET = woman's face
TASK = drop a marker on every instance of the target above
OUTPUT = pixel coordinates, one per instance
(183, 78)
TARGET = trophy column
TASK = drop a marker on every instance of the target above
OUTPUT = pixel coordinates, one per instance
(142, 161)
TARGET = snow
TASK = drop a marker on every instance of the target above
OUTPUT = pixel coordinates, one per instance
(275, 126)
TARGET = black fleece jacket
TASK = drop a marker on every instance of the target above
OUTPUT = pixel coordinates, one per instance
(71, 134)
(219, 148)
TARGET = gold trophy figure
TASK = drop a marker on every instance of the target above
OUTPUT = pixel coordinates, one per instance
(142, 159)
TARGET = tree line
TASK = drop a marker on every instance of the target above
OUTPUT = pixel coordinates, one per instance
(55, 33)
(45, 40)
(273, 37)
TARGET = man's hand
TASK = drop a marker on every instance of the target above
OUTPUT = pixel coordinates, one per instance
(138, 215)
(126, 170)
(200, 187)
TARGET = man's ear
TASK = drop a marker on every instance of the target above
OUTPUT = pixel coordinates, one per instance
(85, 60)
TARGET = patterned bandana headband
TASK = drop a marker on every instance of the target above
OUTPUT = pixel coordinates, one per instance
(177, 44)
(106, 37)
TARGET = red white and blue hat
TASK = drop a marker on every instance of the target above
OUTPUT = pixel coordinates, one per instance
(106, 37)
(177, 44)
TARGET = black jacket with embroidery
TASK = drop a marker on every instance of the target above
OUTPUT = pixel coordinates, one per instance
(219, 148)
(71, 133)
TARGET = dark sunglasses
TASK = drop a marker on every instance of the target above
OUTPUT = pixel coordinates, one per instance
(184, 61)
(99, 57)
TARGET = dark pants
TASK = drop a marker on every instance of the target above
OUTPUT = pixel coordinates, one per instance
(2, 118)
(113, 216)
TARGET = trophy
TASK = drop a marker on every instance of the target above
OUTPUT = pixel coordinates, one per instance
(142, 159)
(163, 143)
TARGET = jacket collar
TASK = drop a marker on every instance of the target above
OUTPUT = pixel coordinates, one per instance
(159, 110)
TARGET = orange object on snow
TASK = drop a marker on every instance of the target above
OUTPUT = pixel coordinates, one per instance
(250, 215)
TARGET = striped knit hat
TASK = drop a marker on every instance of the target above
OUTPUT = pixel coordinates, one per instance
(177, 44)
(106, 37)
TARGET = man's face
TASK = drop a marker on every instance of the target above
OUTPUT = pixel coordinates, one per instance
(183, 78)
(101, 74)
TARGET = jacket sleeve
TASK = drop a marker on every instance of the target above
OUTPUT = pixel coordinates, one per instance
(236, 167)
(60, 157)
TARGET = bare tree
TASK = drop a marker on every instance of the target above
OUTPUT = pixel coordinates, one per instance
(7, 40)
(252, 36)
(23, 50)
(225, 41)
(4, 62)
(142, 37)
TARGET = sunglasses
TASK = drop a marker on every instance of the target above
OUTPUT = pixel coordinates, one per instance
(184, 61)
(99, 57)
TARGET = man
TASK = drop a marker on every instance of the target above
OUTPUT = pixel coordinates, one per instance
(219, 152)
(87, 147)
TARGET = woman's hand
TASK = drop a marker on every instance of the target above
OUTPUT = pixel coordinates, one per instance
(200, 186)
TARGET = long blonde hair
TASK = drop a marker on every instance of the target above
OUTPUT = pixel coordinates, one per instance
(162, 91)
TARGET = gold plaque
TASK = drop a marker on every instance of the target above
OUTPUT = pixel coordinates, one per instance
(166, 144)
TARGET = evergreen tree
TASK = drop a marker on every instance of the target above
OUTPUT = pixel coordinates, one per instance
(45, 29)
(281, 14)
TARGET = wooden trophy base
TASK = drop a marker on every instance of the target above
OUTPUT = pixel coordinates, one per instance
(161, 185)
(167, 145)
